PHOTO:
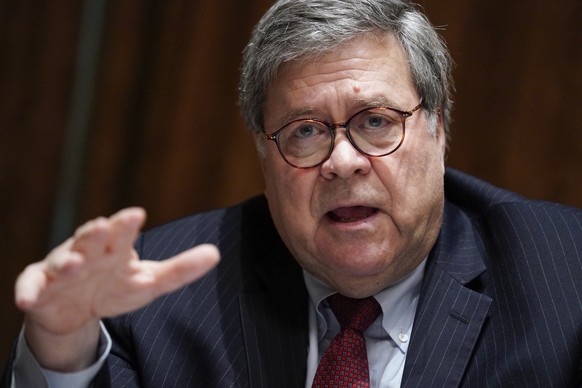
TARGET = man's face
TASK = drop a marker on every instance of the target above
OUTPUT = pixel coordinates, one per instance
(357, 223)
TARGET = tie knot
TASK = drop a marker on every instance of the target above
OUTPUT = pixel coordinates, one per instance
(354, 313)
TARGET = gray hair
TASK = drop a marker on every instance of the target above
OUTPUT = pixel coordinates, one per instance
(295, 29)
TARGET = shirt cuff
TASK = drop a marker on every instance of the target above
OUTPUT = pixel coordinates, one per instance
(28, 373)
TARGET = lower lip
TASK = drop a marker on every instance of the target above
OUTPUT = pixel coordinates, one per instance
(352, 223)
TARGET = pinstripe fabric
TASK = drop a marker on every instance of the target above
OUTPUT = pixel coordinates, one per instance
(500, 306)
(502, 299)
(227, 330)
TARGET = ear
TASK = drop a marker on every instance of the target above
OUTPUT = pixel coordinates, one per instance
(260, 143)
(440, 135)
(259, 139)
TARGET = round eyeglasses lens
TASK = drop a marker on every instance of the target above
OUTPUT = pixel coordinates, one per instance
(305, 143)
(377, 131)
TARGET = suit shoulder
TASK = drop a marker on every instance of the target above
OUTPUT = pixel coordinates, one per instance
(213, 226)
(477, 197)
(474, 195)
(512, 221)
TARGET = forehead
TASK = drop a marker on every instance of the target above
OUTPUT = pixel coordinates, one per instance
(367, 68)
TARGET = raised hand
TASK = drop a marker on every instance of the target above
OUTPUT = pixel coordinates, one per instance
(95, 274)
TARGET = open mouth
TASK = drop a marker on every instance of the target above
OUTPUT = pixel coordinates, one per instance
(351, 214)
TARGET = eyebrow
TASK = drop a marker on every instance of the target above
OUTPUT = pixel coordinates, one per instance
(296, 114)
(377, 101)
(307, 112)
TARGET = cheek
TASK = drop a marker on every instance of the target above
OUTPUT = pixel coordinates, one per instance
(413, 178)
(425, 191)
(423, 157)
(289, 193)
(278, 182)
(424, 176)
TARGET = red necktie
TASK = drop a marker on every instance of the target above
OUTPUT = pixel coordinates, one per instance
(345, 362)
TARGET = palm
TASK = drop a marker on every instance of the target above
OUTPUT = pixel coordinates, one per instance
(97, 274)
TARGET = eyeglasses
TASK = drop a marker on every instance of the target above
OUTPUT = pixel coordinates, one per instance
(376, 131)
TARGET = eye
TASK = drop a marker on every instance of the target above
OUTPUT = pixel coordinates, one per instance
(304, 138)
(375, 121)
(304, 133)
(305, 130)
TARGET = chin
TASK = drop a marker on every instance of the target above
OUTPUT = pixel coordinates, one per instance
(362, 267)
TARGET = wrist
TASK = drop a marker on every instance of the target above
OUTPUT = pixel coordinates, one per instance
(67, 352)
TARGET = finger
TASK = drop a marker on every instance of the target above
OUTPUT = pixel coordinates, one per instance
(29, 285)
(125, 226)
(103, 236)
(90, 239)
(37, 277)
(63, 259)
(184, 268)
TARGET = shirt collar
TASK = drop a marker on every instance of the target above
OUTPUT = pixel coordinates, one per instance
(398, 304)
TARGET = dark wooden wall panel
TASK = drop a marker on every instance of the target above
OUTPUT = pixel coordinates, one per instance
(167, 125)
(519, 88)
(165, 132)
(37, 55)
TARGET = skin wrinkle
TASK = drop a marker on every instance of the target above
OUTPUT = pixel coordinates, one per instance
(359, 103)
(358, 258)
(352, 74)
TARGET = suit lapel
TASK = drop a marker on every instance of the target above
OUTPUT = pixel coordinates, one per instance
(274, 322)
(451, 313)
(448, 322)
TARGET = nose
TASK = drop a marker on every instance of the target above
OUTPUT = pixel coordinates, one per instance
(345, 160)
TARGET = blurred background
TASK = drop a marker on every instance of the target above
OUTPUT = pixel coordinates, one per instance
(107, 104)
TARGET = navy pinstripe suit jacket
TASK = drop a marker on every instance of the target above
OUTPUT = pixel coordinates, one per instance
(500, 306)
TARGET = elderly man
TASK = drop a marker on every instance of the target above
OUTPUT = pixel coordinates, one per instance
(364, 264)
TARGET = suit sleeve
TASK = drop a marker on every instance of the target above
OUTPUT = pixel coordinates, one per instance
(26, 372)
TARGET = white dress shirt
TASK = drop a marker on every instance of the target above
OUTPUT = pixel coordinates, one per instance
(28, 373)
(387, 338)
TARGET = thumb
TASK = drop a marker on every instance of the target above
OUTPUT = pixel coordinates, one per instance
(185, 267)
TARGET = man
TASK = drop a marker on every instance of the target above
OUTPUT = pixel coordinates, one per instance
(349, 105)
